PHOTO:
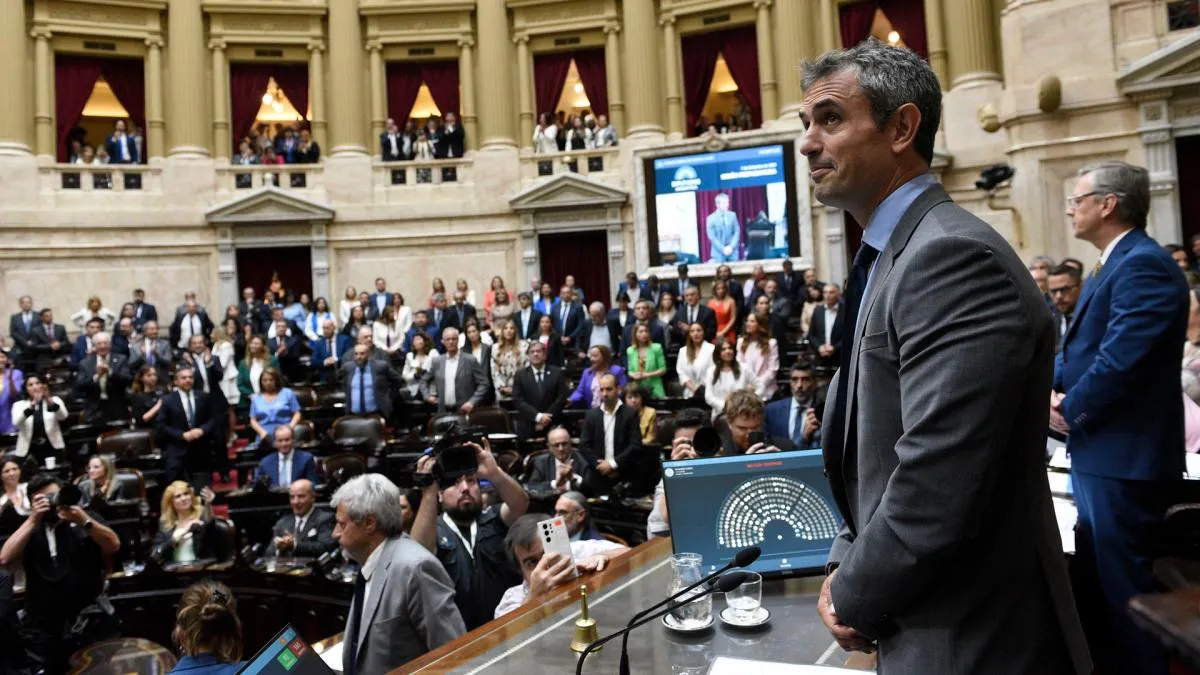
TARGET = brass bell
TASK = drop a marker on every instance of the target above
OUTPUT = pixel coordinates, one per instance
(585, 627)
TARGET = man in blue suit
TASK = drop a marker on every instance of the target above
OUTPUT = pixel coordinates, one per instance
(798, 417)
(1117, 395)
(83, 343)
(723, 231)
(286, 465)
(327, 352)
(142, 310)
(379, 299)
(568, 318)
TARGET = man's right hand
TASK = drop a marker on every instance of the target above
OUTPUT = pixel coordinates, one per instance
(811, 423)
(41, 506)
(825, 351)
(331, 361)
(847, 638)
(564, 473)
(551, 571)
(431, 399)
(681, 448)
(425, 465)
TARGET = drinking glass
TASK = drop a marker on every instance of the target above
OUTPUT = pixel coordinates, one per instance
(686, 569)
(129, 567)
(746, 599)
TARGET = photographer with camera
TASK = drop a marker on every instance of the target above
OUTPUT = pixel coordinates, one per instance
(687, 423)
(467, 539)
(62, 548)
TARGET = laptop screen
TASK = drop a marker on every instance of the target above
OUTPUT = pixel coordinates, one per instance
(780, 502)
(286, 654)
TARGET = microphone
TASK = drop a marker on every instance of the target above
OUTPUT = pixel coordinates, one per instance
(724, 585)
(743, 558)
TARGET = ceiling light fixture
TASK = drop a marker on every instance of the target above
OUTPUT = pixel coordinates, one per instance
(894, 38)
(267, 99)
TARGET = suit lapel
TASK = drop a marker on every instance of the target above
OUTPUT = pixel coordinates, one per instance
(1124, 246)
(371, 603)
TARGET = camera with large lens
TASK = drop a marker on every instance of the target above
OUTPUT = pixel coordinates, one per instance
(453, 458)
(706, 442)
(67, 496)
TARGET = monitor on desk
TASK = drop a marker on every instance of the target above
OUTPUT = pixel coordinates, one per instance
(286, 654)
(780, 502)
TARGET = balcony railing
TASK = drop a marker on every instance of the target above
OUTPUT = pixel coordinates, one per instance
(415, 173)
(284, 176)
(100, 178)
(582, 162)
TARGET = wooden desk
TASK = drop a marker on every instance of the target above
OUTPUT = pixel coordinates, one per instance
(1175, 618)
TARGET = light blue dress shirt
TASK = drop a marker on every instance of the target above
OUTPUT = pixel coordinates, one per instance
(884, 220)
(357, 387)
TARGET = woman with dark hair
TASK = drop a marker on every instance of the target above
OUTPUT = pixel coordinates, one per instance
(694, 360)
(12, 381)
(439, 287)
(147, 397)
(316, 317)
(550, 339)
(588, 391)
(635, 398)
(273, 406)
(208, 630)
(358, 319)
(416, 362)
(546, 299)
(814, 297)
(777, 325)
(387, 334)
(38, 417)
(402, 312)
(724, 376)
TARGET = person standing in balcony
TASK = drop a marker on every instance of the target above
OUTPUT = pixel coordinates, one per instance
(450, 138)
(545, 135)
(121, 146)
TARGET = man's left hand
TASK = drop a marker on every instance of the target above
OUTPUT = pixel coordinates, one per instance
(467, 407)
(1057, 421)
(595, 563)
(485, 460)
(605, 468)
(73, 514)
(848, 638)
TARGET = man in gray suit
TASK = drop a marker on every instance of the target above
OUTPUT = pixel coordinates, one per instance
(403, 602)
(723, 231)
(151, 350)
(455, 381)
(949, 558)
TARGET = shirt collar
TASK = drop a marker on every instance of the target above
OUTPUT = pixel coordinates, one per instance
(883, 222)
(614, 410)
(368, 567)
(1112, 245)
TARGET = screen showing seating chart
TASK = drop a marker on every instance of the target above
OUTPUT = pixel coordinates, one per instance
(287, 653)
(722, 207)
(780, 502)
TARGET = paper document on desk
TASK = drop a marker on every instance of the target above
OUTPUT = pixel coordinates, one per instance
(723, 665)
(333, 657)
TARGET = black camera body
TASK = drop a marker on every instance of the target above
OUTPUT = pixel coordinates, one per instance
(453, 458)
(67, 496)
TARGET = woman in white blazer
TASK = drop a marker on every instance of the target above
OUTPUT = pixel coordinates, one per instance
(724, 377)
(695, 358)
(52, 410)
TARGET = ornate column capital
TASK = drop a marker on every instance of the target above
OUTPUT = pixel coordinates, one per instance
(612, 28)
(214, 45)
(372, 46)
(467, 41)
(666, 20)
(319, 46)
(521, 39)
(154, 42)
(762, 4)
(41, 33)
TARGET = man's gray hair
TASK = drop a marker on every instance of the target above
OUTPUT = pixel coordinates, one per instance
(365, 329)
(523, 532)
(101, 336)
(889, 77)
(371, 494)
(1131, 185)
(596, 306)
(578, 498)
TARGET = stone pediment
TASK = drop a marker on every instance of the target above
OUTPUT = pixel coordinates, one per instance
(1177, 65)
(568, 191)
(269, 205)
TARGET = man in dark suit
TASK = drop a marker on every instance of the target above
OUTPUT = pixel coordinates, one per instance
(286, 465)
(191, 322)
(526, 317)
(827, 327)
(791, 285)
(598, 330)
(798, 417)
(20, 329)
(306, 532)
(611, 449)
(287, 346)
(1117, 396)
(682, 282)
(690, 312)
(450, 138)
(539, 392)
(83, 344)
(459, 313)
(562, 468)
(619, 317)
(568, 318)
(287, 145)
(121, 146)
(1064, 285)
(327, 352)
(379, 299)
(142, 310)
(102, 380)
(122, 337)
(185, 430)
(206, 377)
(935, 431)
(253, 311)
(391, 142)
(455, 381)
(368, 383)
(781, 305)
(48, 340)
(633, 289)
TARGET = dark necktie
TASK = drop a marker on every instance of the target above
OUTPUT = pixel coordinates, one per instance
(362, 390)
(855, 286)
(798, 430)
(691, 315)
(356, 606)
(191, 412)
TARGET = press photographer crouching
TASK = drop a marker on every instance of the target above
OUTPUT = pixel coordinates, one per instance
(62, 548)
(468, 539)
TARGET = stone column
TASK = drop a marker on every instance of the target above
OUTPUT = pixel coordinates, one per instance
(466, 83)
(1158, 139)
(43, 89)
(612, 75)
(316, 91)
(15, 136)
(935, 39)
(972, 43)
(155, 144)
(675, 111)
(831, 37)
(495, 75)
(347, 128)
(222, 138)
(766, 61)
(794, 43)
(379, 111)
(187, 103)
(641, 70)
(525, 100)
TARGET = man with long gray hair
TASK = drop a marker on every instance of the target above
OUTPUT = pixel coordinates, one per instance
(399, 580)
(949, 558)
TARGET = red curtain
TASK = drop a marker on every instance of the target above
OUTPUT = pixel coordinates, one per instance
(74, 79)
(403, 83)
(740, 49)
(699, 62)
(856, 20)
(127, 77)
(549, 78)
(247, 84)
(442, 79)
(593, 72)
(574, 253)
(292, 78)
(908, 18)
(745, 202)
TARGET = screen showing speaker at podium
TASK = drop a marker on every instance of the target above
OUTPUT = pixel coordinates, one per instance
(780, 502)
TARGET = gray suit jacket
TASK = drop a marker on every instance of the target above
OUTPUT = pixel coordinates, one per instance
(162, 355)
(409, 611)
(470, 382)
(949, 553)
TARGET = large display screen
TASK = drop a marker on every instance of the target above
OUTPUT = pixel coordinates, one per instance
(780, 502)
(722, 207)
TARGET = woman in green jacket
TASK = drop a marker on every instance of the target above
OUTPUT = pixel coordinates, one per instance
(646, 362)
